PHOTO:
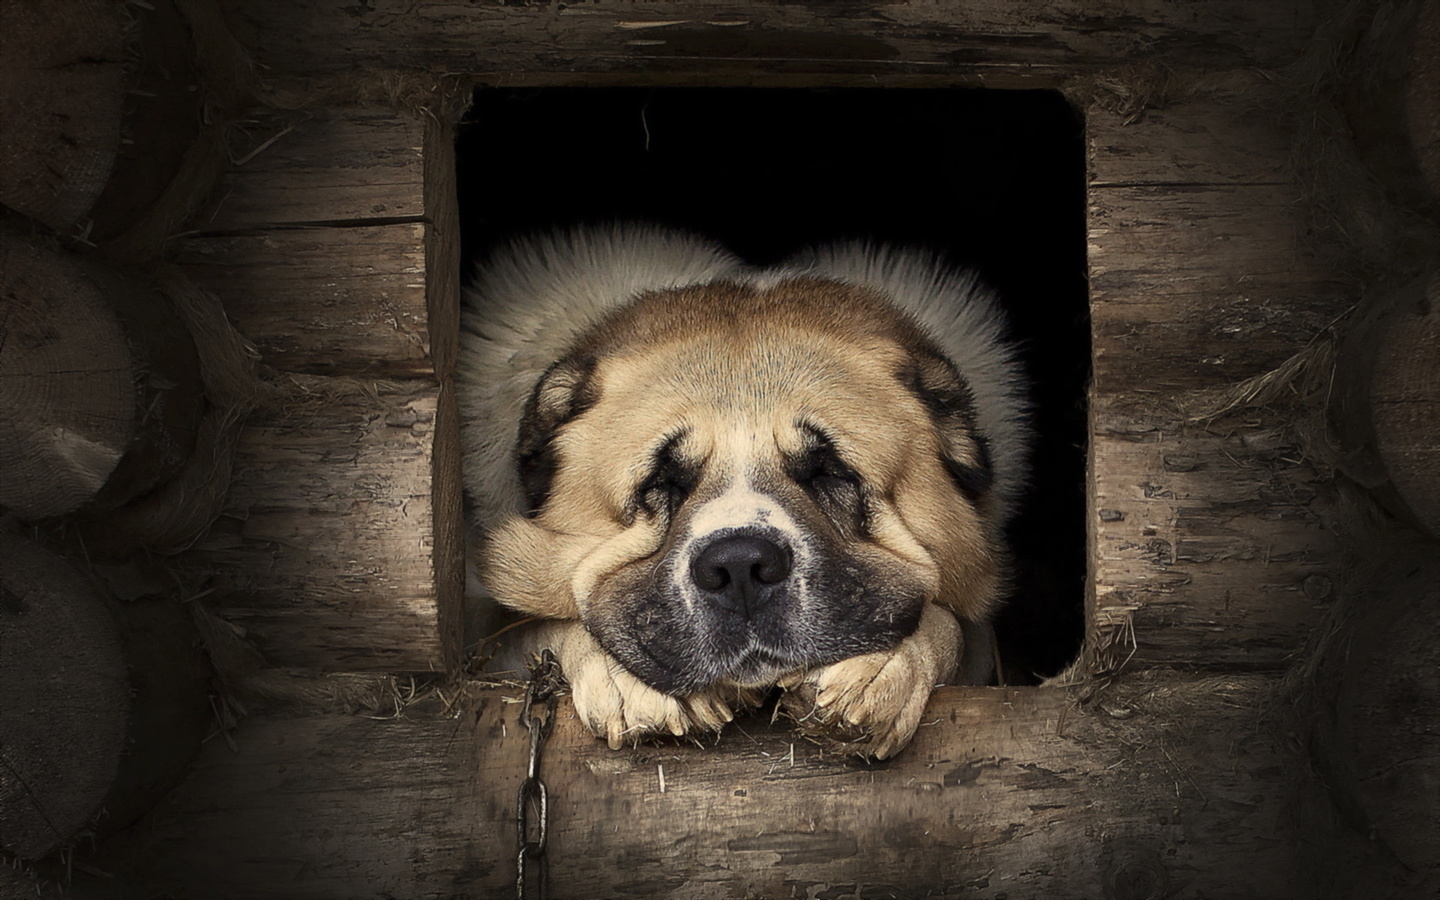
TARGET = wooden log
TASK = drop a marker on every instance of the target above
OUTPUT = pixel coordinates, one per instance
(325, 554)
(1405, 402)
(63, 68)
(324, 167)
(1379, 745)
(171, 703)
(170, 401)
(323, 301)
(164, 118)
(101, 390)
(348, 294)
(1208, 540)
(67, 392)
(64, 708)
(1422, 97)
(994, 43)
(1387, 88)
(1381, 408)
(1005, 793)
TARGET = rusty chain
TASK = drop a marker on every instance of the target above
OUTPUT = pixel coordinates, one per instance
(545, 680)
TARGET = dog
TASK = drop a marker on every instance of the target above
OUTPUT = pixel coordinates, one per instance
(705, 480)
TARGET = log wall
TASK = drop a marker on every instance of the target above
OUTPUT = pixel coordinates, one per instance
(340, 550)
(1162, 770)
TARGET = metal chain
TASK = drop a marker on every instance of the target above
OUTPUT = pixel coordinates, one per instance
(545, 680)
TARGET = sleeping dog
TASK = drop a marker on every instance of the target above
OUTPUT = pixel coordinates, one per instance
(706, 480)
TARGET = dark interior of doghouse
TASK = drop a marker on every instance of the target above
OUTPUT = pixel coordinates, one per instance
(994, 180)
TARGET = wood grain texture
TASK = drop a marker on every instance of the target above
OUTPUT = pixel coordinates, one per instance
(325, 554)
(1006, 793)
(325, 301)
(64, 69)
(1209, 546)
(990, 42)
(66, 702)
(1404, 401)
(317, 241)
(67, 381)
(323, 166)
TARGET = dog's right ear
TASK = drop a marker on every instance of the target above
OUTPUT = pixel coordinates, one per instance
(565, 391)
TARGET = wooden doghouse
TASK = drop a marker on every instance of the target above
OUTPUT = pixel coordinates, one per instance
(1253, 711)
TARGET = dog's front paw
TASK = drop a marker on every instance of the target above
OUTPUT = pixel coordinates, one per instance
(874, 702)
(621, 708)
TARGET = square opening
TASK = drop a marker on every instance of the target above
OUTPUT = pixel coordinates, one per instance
(993, 180)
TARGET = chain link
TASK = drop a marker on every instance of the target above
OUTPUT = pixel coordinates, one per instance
(545, 680)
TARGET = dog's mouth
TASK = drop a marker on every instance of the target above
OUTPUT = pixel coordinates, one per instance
(689, 657)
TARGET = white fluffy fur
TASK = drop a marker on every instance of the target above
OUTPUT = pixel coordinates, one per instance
(533, 299)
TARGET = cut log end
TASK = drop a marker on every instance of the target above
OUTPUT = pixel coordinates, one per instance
(67, 393)
(1405, 406)
(63, 69)
(64, 709)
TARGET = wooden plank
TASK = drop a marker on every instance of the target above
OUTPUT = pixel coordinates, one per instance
(327, 166)
(324, 301)
(1008, 793)
(1208, 537)
(990, 42)
(1198, 142)
(1210, 547)
(325, 554)
(442, 305)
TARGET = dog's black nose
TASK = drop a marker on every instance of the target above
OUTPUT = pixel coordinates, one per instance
(739, 571)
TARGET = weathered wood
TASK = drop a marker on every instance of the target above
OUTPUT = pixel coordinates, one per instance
(63, 69)
(1382, 758)
(331, 301)
(165, 112)
(1208, 550)
(1422, 96)
(1404, 401)
(67, 392)
(1385, 85)
(1207, 540)
(1006, 793)
(442, 303)
(170, 397)
(65, 703)
(325, 555)
(327, 246)
(994, 43)
(326, 167)
(171, 695)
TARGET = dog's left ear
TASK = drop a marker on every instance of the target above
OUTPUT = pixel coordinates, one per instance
(564, 392)
(965, 453)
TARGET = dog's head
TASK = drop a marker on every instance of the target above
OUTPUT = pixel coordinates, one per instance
(728, 484)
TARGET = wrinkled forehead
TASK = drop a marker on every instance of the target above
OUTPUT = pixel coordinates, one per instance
(750, 401)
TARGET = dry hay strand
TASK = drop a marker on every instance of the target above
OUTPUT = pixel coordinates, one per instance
(228, 361)
(228, 86)
(375, 696)
(200, 169)
(231, 654)
(171, 517)
(1293, 381)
